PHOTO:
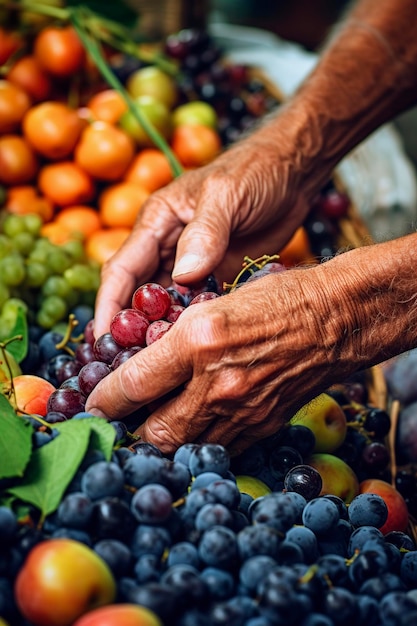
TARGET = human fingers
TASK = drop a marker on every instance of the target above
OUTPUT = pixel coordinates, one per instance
(145, 377)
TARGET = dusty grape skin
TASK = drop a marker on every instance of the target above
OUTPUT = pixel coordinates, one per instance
(67, 401)
(156, 330)
(128, 328)
(152, 300)
(91, 374)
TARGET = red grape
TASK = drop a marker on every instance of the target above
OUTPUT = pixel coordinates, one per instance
(152, 300)
(128, 328)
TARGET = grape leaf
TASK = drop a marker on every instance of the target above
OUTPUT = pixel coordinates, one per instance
(53, 466)
(19, 348)
(15, 441)
(102, 436)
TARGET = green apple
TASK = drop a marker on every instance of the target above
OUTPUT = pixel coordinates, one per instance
(60, 580)
(119, 615)
(196, 112)
(155, 111)
(324, 416)
(252, 486)
(338, 478)
(152, 81)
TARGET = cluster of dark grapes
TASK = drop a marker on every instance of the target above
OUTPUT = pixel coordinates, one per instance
(182, 539)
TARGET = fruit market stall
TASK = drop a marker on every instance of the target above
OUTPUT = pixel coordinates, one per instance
(313, 525)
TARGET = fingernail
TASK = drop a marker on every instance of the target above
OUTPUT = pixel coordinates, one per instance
(187, 264)
(97, 413)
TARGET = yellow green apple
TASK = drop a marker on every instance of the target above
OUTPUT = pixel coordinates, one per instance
(338, 478)
(196, 112)
(155, 111)
(252, 486)
(324, 416)
(61, 580)
(152, 81)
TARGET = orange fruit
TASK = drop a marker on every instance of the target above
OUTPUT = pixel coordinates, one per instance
(104, 151)
(65, 183)
(56, 233)
(28, 74)
(119, 205)
(195, 144)
(24, 199)
(18, 162)
(14, 102)
(59, 50)
(151, 169)
(53, 129)
(297, 250)
(107, 106)
(102, 244)
(79, 220)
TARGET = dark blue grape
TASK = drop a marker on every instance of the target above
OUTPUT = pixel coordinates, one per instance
(139, 470)
(282, 459)
(368, 509)
(183, 552)
(160, 598)
(277, 510)
(320, 515)
(151, 504)
(305, 480)
(112, 519)
(75, 510)
(408, 570)
(183, 453)
(209, 457)
(150, 540)
(148, 568)
(220, 583)
(254, 569)
(215, 514)
(361, 535)
(306, 540)
(8, 525)
(258, 540)
(187, 582)
(116, 554)
(103, 479)
(218, 547)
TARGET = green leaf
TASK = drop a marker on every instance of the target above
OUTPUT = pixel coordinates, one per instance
(102, 436)
(15, 441)
(117, 11)
(19, 348)
(53, 466)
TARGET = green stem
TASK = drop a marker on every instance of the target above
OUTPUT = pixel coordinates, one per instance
(93, 49)
(44, 9)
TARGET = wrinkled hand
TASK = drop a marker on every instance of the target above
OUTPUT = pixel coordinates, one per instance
(246, 202)
(242, 364)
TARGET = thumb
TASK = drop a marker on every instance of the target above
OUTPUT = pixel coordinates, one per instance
(202, 245)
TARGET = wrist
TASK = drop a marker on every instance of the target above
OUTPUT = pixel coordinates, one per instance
(371, 295)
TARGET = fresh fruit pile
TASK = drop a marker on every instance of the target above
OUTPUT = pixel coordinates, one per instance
(303, 528)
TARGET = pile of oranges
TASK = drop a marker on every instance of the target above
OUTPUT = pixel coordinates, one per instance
(77, 164)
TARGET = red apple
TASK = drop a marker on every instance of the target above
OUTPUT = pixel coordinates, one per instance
(61, 580)
(325, 417)
(398, 515)
(338, 478)
(32, 393)
(118, 615)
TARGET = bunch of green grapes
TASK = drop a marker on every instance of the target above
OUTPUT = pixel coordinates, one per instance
(46, 279)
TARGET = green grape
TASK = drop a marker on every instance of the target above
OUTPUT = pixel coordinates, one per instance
(4, 294)
(56, 286)
(44, 320)
(75, 249)
(6, 246)
(36, 274)
(79, 277)
(39, 256)
(59, 260)
(12, 305)
(12, 270)
(54, 308)
(24, 242)
(33, 223)
(13, 225)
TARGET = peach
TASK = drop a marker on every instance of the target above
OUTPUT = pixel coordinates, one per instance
(118, 614)
(31, 394)
(61, 580)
